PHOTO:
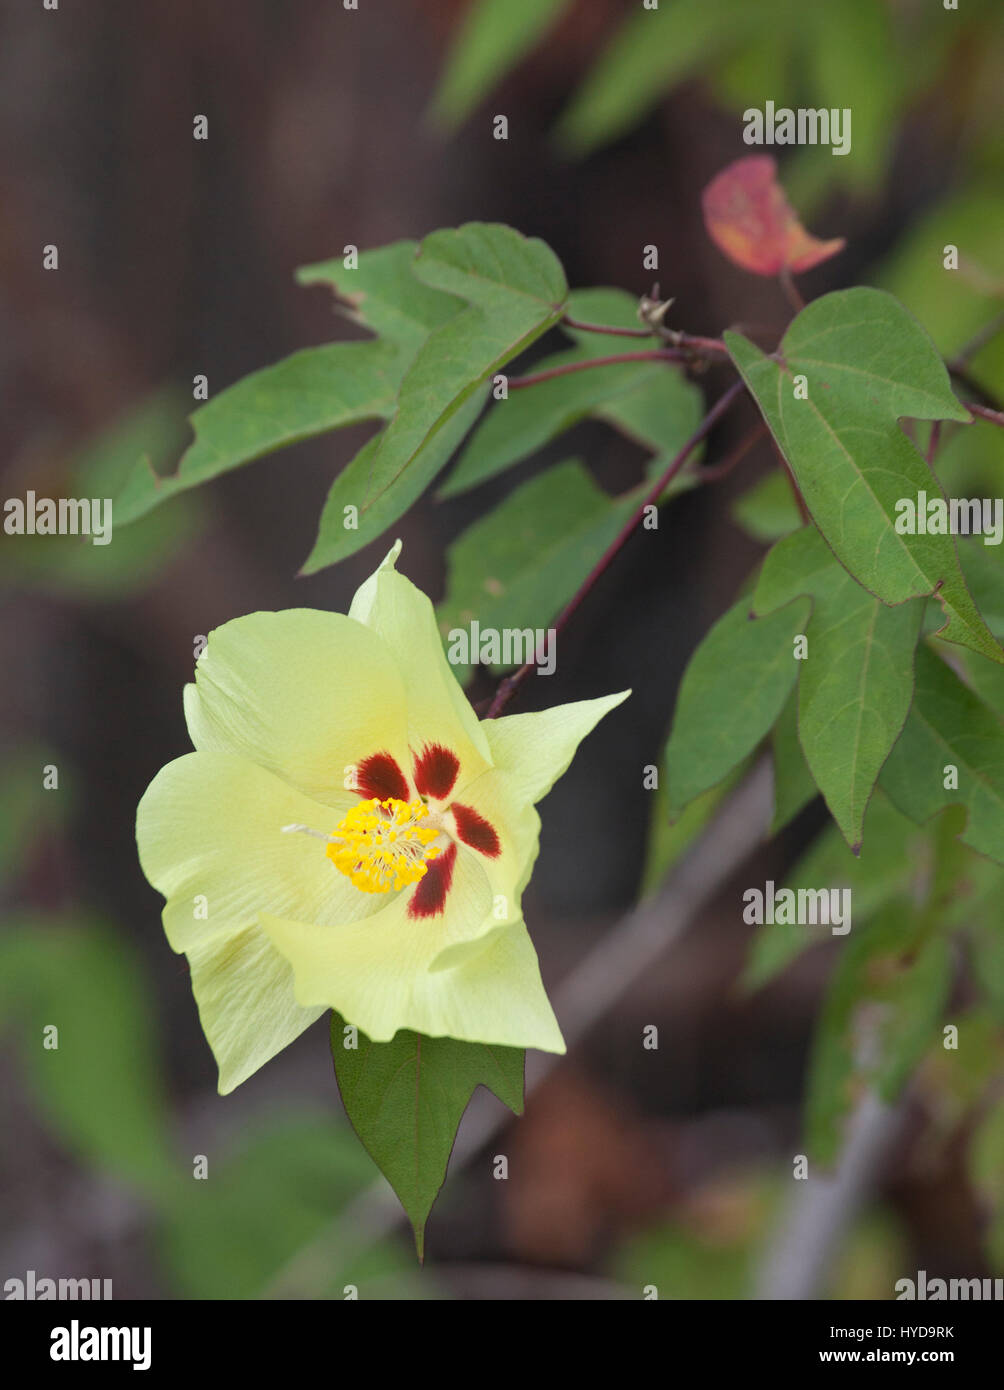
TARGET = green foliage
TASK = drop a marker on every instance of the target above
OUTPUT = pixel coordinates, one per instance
(732, 692)
(72, 566)
(768, 510)
(99, 1085)
(405, 1099)
(848, 453)
(879, 1016)
(653, 51)
(893, 853)
(518, 565)
(494, 36)
(856, 684)
(950, 727)
(793, 784)
(231, 1234)
(515, 290)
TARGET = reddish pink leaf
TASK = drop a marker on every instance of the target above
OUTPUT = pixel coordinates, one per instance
(749, 217)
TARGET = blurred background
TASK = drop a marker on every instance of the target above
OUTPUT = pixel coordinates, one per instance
(176, 258)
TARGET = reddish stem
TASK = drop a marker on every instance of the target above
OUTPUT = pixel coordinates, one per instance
(996, 417)
(655, 355)
(511, 683)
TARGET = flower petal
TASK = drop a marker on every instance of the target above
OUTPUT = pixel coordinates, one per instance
(439, 712)
(534, 750)
(244, 989)
(210, 838)
(492, 995)
(303, 693)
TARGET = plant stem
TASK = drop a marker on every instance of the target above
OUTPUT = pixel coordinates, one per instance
(791, 291)
(655, 355)
(934, 440)
(511, 683)
(719, 470)
(976, 343)
(607, 328)
(690, 343)
(996, 417)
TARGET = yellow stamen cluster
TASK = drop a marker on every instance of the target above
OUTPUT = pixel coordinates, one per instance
(379, 845)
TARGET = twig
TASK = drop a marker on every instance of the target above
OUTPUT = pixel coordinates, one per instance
(607, 328)
(996, 417)
(976, 343)
(791, 291)
(934, 440)
(516, 383)
(625, 955)
(511, 683)
(719, 470)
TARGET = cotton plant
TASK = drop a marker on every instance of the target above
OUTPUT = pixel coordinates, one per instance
(348, 836)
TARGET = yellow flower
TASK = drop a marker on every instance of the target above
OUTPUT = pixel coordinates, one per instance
(347, 834)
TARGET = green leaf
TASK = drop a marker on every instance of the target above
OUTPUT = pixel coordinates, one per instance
(767, 511)
(867, 363)
(856, 683)
(949, 726)
(99, 1086)
(892, 853)
(384, 295)
(652, 51)
(903, 982)
(72, 565)
(794, 787)
(532, 416)
(520, 564)
(494, 36)
(652, 404)
(732, 692)
(314, 390)
(955, 304)
(406, 1098)
(516, 290)
(347, 524)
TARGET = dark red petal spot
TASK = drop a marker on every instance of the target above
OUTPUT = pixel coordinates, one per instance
(380, 776)
(429, 897)
(475, 831)
(436, 770)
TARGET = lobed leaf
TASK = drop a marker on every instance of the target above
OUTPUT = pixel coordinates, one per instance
(406, 1098)
(866, 363)
(949, 726)
(856, 681)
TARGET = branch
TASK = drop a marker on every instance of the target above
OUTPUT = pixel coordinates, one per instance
(511, 683)
(996, 417)
(516, 383)
(691, 344)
